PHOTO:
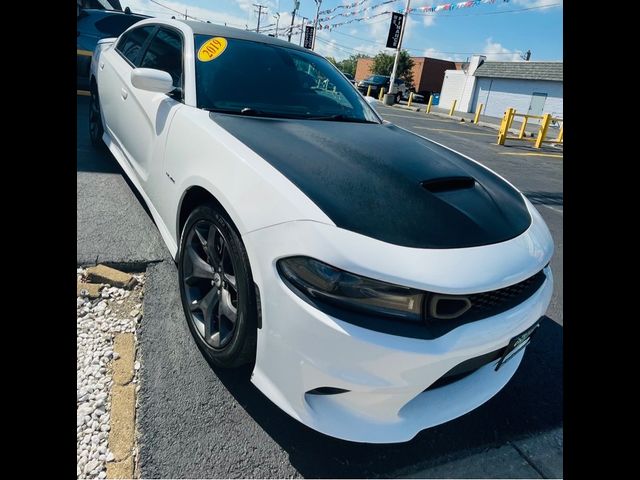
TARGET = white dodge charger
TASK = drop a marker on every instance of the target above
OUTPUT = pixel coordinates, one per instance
(380, 283)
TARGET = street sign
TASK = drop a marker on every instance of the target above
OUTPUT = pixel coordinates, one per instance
(394, 30)
(308, 37)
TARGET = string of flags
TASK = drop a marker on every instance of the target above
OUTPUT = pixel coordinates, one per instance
(432, 9)
(355, 12)
(351, 5)
(454, 6)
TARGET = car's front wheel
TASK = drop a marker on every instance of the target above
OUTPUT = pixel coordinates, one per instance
(95, 120)
(217, 288)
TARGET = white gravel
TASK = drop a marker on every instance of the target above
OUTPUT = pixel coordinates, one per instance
(98, 321)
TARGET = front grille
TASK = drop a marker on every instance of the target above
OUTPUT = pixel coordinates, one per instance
(485, 304)
(466, 368)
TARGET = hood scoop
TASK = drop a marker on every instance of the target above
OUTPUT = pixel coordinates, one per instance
(448, 184)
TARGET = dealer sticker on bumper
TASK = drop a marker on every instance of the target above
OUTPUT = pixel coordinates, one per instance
(516, 344)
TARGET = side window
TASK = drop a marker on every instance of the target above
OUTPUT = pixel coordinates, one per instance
(131, 42)
(165, 53)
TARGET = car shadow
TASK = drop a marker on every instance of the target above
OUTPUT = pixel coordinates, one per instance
(531, 402)
(93, 159)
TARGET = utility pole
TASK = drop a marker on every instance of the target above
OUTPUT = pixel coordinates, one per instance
(304, 19)
(392, 80)
(259, 12)
(315, 23)
(277, 17)
(296, 6)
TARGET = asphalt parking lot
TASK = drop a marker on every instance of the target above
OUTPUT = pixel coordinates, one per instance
(199, 422)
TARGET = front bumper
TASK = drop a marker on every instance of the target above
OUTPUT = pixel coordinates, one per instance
(385, 376)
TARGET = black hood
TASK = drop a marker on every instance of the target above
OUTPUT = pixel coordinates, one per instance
(387, 183)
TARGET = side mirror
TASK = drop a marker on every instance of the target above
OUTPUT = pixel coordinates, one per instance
(152, 80)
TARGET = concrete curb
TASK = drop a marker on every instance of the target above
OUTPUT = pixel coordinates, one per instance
(123, 408)
(457, 118)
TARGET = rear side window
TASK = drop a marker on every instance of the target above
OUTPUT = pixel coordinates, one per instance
(165, 53)
(131, 42)
(114, 25)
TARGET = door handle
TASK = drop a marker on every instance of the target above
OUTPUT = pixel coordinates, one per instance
(124, 94)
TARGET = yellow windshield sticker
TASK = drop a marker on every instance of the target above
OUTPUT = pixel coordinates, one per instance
(212, 49)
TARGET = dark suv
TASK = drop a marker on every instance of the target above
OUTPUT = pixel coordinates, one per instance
(93, 25)
(379, 81)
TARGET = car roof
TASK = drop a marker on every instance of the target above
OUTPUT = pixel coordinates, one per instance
(104, 13)
(213, 29)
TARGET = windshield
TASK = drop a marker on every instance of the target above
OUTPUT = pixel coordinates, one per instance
(377, 79)
(258, 79)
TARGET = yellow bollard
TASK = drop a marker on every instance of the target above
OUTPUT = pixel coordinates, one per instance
(559, 139)
(410, 99)
(381, 94)
(476, 119)
(369, 91)
(504, 126)
(453, 107)
(524, 125)
(546, 120)
(429, 104)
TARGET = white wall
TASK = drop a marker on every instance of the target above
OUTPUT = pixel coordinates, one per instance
(498, 94)
(452, 87)
(460, 85)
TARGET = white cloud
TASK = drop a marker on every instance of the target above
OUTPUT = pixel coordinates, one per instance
(148, 8)
(433, 53)
(496, 52)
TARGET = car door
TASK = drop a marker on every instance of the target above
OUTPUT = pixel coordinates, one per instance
(114, 66)
(144, 115)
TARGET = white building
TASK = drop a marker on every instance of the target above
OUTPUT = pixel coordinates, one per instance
(529, 87)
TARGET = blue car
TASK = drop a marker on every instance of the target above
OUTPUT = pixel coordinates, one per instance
(93, 25)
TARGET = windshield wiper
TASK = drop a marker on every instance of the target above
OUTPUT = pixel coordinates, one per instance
(248, 111)
(340, 118)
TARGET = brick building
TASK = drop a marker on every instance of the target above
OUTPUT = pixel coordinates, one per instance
(428, 73)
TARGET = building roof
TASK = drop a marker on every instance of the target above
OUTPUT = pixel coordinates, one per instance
(551, 71)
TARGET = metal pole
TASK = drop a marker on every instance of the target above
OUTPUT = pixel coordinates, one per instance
(259, 12)
(315, 24)
(277, 17)
(405, 20)
(296, 6)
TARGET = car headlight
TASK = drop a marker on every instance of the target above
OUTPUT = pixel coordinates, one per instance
(324, 283)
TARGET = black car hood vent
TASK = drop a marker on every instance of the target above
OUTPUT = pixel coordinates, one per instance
(385, 182)
(440, 185)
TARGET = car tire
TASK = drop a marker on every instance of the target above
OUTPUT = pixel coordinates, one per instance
(398, 97)
(209, 313)
(96, 128)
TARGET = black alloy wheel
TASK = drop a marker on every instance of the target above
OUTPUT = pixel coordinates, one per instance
(95, 120)
(217, 289)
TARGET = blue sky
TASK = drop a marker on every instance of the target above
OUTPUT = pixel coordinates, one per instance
(488, 29)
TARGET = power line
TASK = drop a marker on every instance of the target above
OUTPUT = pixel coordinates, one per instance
(421, 49)
(177, 11)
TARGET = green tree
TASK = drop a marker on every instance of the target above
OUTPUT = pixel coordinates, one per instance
(348, 65)
(332, 60)
(383, 65)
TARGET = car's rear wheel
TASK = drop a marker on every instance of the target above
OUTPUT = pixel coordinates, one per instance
(217, 288)
(95, 120)
(398, 97)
